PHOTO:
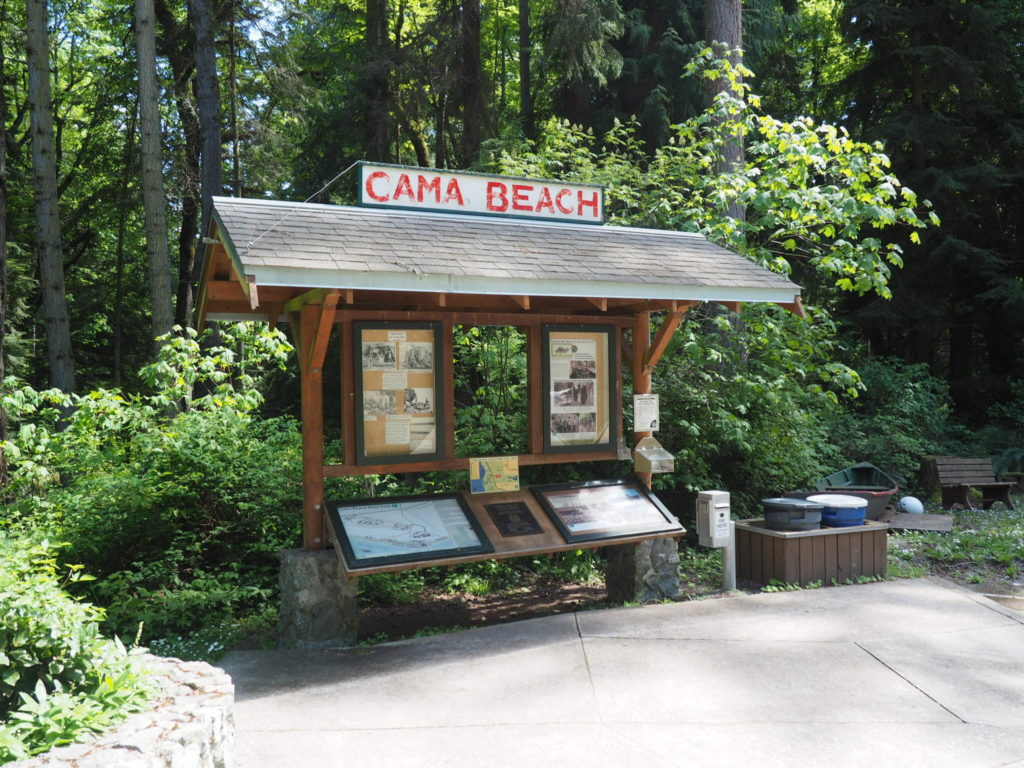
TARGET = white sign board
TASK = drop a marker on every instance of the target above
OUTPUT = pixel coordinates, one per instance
(428, 189)
(646, 413)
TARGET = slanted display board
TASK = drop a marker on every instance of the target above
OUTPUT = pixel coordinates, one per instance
(604, 509)
(398, 392)
(393, 534)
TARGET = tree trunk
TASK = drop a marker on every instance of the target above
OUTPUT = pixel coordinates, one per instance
(3, 239)
(723, 28)
(208, 106)
(47, 216)
(377, 81)
(153, 201)
(525, 96)
(117, 322)
(472, 83)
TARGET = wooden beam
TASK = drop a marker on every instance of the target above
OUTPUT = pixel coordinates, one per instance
(348, 395)
(274, 310)
(456, 463)
(312, 430)
(446, 441)
(661, 340)
(796, 307)
(254, 296)
(535, 392)
(481, 318)
(523, 302)
(224, 290)
(735, 306)
(601, 304)
(322, 329)
(641, 376)
(650, 305)
(314, 296)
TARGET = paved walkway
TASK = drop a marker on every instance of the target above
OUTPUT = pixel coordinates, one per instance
(906, 673)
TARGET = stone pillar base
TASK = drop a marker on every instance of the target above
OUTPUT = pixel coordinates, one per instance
(318, 604)
(642, 572)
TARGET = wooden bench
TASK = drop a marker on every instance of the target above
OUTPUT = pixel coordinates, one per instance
(956, 476)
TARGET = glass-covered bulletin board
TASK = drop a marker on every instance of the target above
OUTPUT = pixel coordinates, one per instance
(398, 392)
(580, 387)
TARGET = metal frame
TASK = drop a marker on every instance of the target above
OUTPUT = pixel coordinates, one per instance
(541, 492)
(341, 535)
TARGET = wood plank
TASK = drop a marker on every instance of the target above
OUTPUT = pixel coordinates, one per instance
(831, 559)
(601, 304)
(842, 558)
(457, 463)
(867, 554)
(742, 559)
(903, 521)
(322, 326)
(535, 392)
(881, 543)
(312, 394)
(447, 363)
(480, 318)
(314, 296)
(791, 559)
(661, 340)
(806, 562)
(817, 558)
(348, 396)
(856, 555)
(641, 376)
(757, 559)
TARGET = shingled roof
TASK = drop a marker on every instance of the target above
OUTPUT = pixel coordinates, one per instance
(274, 243)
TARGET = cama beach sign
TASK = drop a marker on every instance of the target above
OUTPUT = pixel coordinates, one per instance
(429, 189)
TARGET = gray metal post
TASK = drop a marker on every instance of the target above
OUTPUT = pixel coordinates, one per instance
(729, 560)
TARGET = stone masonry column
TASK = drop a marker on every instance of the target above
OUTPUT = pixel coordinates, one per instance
(642, 572)
(318, 604)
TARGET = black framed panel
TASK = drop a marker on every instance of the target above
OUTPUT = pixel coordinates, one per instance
(580, 387)
(405, 529)
(399, 392)
(605, 509)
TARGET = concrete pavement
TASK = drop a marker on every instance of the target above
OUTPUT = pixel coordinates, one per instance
(906, 673)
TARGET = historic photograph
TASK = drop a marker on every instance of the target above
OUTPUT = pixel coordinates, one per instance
(583, 369)
(378, 356)
(573, 393)
(379, 402)
(417, 355)
(565, 422)
(419, 400)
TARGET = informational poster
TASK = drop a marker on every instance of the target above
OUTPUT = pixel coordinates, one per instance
(493, 474)
(646, 413)
(382, 531)
(397, 385)
(605, 510)
(513, 518)
(581, 387)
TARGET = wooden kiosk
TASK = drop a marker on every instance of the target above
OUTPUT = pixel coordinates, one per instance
(426, 250)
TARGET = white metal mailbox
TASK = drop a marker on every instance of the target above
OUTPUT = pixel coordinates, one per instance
(713, 518)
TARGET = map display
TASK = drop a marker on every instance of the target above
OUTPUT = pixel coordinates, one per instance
(405, 529)
(493, 474)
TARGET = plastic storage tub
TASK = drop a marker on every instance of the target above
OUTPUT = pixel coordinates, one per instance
(791, 514)
(838, 510)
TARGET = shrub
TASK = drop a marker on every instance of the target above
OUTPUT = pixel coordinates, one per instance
(59, 677)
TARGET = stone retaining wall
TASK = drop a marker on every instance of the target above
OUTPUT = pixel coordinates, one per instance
(191, 725)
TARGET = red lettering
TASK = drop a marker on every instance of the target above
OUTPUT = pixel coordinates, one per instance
(558, 200)
(520, 201)
(369, 186)
(403, 187)
(453, 192)
(434, 185)
(591, 203)
(545, 200)
(497, 196)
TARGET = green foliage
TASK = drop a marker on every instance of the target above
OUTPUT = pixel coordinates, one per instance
(178, 500)
(59, 678)
(903, 414)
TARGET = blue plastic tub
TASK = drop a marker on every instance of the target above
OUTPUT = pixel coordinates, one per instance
(840, 511)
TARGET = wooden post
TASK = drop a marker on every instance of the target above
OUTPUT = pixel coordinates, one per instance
(641, 374)
(311, 372)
